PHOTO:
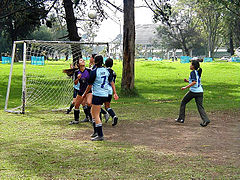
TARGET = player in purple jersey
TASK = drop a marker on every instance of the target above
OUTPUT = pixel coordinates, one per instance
(82, 79)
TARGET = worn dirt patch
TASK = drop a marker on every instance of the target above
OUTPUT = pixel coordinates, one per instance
(219, 141)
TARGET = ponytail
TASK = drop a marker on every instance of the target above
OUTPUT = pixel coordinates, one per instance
(199, 71)
(196, 66)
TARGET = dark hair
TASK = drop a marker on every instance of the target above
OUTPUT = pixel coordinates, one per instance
(109, 62)
(196, 66)
(98, 60)
(93, 55)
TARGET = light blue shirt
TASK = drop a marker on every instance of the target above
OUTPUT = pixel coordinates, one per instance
(99, 79)
(195, 77)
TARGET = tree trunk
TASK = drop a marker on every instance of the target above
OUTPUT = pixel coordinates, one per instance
(72, 29)
(231, 48)
(128, 46)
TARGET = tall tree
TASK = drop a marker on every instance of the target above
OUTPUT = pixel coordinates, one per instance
(20, 17)
(127, 83)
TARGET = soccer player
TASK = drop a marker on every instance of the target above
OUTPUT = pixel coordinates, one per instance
(75, 88)
(109, 64)
(92, 66)
(98, 82)
(196, 92)
(82, 79)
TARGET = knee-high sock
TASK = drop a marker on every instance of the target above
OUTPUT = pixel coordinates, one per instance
(99, 129)
(76, 114)
(111, 112)
(85, 109)
(71, 106)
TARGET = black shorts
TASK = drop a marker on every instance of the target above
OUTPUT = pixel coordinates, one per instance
(80, 93)
(109, 98)
(75, 93)
(97, 100)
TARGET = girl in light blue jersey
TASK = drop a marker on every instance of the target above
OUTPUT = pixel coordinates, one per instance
(196, 92)
(98, 82)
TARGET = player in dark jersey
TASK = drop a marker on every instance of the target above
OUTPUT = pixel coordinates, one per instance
(82, 78)
(196, 92)
(75, 88)
(98, 82)
(109, 64)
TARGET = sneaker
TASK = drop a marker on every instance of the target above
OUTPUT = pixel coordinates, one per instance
(73, 122)
(205, 123)
(94, 135)
(85, 120)
(106, 116)
(115, 121)
(97, 138)
(179, 120)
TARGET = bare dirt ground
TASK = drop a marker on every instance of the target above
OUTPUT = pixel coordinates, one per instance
(219, 141)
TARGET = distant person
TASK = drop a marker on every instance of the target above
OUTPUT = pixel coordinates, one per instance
(98, 82)
(196, 92)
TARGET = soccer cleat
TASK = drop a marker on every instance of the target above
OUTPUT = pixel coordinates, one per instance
(115, 121)
(85, 120)
(94, 135)
(73, 122)
(205, 123)
(97, 138)
(106, 116)
(179, 120)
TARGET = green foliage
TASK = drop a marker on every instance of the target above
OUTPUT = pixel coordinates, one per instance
(20, 17)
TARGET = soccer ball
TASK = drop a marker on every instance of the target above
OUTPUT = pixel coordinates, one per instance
(92, 14)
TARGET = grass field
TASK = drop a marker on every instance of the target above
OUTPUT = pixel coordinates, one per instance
(146, 144)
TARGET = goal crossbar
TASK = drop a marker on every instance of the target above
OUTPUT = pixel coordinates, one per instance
(25, 57)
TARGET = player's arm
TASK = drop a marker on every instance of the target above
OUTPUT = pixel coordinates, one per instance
(194, 81)
(188, 86)
(77, 79)
(110, 79)
(114, 91)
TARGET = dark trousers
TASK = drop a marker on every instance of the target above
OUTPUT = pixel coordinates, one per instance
(199, 101)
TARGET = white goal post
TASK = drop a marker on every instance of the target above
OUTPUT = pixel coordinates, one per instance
(36, 80)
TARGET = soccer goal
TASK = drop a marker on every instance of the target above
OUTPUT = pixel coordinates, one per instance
(36, 79)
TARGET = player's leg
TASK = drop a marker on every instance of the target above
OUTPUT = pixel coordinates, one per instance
(110, 111)
(188, 97)
(105, 114)
(199, 103)
(73, 102)
(76, 110)
(85, 109)
(97, 123)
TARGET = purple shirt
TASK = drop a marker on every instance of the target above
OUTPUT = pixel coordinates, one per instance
(84, 80)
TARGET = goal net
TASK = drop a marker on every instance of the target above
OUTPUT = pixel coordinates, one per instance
(36, 79)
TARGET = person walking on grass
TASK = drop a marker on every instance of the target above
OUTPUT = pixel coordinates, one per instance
(196, 92)
(98, 82)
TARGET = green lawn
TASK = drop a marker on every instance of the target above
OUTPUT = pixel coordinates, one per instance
(41, 145)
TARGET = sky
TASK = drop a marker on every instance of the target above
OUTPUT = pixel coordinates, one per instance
(109, 29)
